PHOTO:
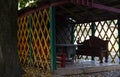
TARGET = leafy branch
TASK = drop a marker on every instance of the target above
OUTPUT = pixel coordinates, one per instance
(26, 3)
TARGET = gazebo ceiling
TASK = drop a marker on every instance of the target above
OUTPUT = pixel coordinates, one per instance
(84, 10)
(87, 11)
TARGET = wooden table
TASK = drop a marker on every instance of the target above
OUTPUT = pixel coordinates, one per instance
(69, 49)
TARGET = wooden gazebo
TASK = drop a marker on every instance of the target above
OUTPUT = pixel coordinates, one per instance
(63, 22)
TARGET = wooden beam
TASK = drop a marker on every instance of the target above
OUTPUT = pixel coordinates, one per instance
(107, 8)
(47, 5)
(59, 3)
(98, 6)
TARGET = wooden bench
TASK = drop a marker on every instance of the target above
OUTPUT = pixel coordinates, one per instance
(94, 47)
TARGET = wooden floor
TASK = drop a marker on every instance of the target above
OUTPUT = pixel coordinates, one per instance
(86, 66)
(87, 63)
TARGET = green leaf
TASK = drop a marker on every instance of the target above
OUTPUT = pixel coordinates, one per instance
(24, 2)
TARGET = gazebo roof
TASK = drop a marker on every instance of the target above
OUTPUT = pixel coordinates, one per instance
(84, 10)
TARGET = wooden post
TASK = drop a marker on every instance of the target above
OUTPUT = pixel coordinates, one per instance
(93, 28)
(72, 33)
(119, 37)
(52, 39)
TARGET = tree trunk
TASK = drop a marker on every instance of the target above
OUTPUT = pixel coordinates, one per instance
(9, 65)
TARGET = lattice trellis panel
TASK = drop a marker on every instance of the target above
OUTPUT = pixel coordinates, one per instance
(23, 40)
(41, 39)
(34, 41)
(63, 34)
(109, 30)
(82, 32)
(104, 30)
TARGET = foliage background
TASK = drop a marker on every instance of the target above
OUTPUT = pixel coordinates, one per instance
(26, 3)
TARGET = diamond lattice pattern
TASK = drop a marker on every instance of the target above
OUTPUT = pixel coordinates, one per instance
(34, 41)
(82, 32)
(63, 34)
(104, 30)
(23, 40)
(109, 30)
